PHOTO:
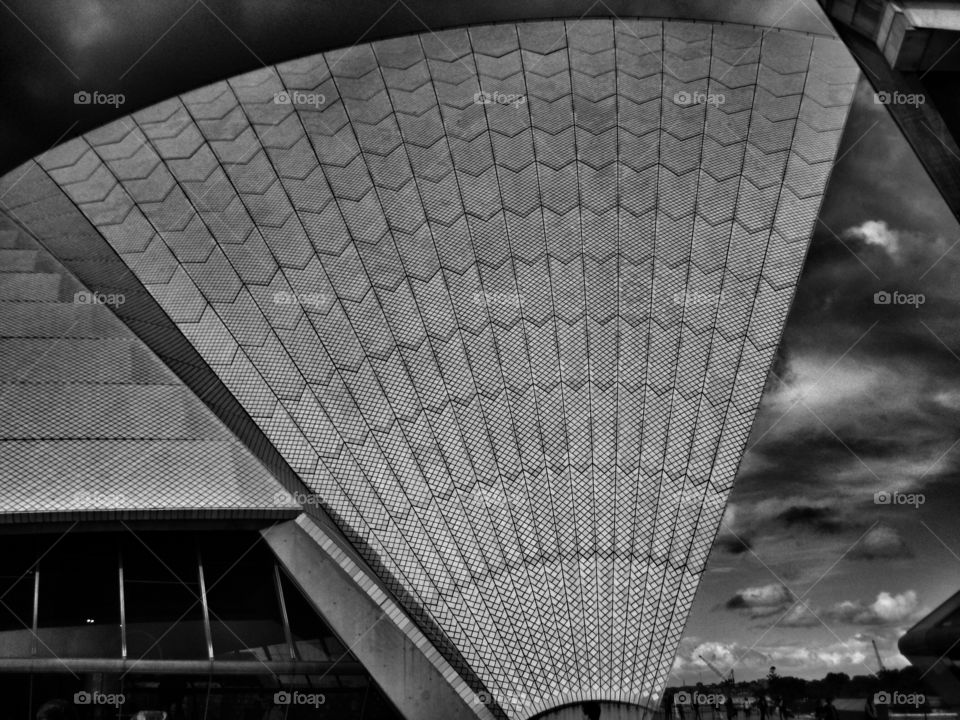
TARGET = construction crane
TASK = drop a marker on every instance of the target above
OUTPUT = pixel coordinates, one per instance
(725, 678)
(879, 659)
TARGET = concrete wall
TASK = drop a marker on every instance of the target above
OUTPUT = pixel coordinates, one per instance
(410, 679)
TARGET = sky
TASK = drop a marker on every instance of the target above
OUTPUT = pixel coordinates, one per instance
(864, 397)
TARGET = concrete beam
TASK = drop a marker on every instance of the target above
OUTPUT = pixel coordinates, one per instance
(178, 667)
(921, 124)
(911, 36)
(373, 627)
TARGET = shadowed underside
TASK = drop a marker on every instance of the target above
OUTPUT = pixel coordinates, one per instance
(505, 298)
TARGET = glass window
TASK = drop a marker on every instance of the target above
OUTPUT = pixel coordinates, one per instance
(245, 618)
(16, 602)
(79, 617)
(163, 607)
(79, 600)
(311, 635)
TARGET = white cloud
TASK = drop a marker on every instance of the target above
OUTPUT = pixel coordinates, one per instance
(754, 660)
(799, 616)
(881, 543)
(773, 594)
(761, 601)
(887, 609)
(948, 398)
(878, 233)
(839, 393)
(720, 654)
(811, 657)
(895, 608)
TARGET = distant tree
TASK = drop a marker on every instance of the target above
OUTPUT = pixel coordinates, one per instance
(773, 681)
(791, 688)
(801, 694)
(835, 684)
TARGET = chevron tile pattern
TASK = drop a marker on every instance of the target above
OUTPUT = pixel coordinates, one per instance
(505, 297)
(93, 424)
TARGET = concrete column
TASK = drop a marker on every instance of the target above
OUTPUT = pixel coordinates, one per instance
(372, 627)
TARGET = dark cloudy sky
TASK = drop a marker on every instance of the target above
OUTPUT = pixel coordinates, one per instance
(865, 398)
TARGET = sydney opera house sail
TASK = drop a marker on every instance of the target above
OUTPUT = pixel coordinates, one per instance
(503, 298)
